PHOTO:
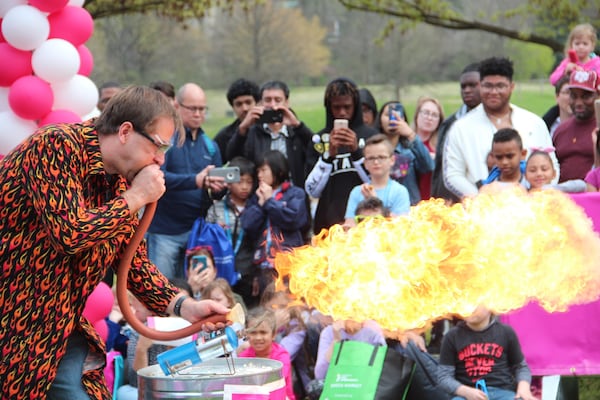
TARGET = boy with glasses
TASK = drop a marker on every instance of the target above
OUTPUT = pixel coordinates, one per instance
(378, 153)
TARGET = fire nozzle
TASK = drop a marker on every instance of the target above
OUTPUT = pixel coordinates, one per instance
(209, 346)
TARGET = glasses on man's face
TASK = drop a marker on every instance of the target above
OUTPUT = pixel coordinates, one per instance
(194, 110)
(377, 159)
(163, 146)
(500, 87)
(429, 114)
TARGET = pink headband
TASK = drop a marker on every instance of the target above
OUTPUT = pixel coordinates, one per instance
(543, 149)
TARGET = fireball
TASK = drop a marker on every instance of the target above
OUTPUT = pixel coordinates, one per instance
(501, 249)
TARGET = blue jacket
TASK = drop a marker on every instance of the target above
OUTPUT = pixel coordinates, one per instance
(287, 216)
(183, 201)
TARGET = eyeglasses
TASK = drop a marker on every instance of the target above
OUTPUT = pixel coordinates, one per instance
(163, 146)
(361, 218)
(377, 159)
(429, 114)
(500, 87)
(201, 109)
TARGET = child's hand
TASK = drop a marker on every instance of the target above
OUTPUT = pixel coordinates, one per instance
(367, 190)
(264, 193)
(199, 279)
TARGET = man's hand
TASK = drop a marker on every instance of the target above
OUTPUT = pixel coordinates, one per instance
(250, 119)
(196, 310)
(147, 187)
(342, 138)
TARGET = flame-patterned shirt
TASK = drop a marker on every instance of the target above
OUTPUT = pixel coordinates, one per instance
(63, 223)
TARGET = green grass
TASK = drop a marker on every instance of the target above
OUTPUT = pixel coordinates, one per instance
(307, 102)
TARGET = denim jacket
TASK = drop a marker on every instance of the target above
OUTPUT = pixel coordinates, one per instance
(410, 159)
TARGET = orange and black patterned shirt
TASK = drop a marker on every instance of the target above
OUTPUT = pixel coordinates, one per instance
(63, 224)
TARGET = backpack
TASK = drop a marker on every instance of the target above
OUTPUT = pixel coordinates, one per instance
(213, 235)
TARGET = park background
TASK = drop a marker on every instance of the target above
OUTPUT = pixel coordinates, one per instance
(307, 43)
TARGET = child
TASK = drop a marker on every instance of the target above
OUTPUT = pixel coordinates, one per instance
(277, 211)
(227, 212)
(220, 291)
(539, 173)
(260, 330)
(411, 156)
(199, 275)
(481, 358)
(378, 161)
(580, 44)
(509, 157)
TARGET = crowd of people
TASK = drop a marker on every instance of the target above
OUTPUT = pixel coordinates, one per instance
(73, 195)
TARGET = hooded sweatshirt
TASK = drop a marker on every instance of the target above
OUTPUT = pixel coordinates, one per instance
(332, 178)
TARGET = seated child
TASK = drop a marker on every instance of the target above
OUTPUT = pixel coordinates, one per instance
(220, 291)
(260, 330)
(200, 274)
(481, 359)
(378, 155)
(540, 173)
(508, 155)
(368, 332)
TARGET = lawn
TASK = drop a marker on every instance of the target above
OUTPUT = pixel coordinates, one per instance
(307, 102)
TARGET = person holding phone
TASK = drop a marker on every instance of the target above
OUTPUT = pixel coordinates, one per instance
(272, 125)
(411, 157)
(201, 270)
(335, 155)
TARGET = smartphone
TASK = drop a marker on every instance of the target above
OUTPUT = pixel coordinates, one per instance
(199, 263)
(340, 123)
(270, 116)
(395, 111)
(573, 56)
(231, 174)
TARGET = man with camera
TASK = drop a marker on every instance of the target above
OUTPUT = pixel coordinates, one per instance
(272, 125)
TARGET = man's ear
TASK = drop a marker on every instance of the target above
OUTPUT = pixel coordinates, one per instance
(523, 154)
(125, 130)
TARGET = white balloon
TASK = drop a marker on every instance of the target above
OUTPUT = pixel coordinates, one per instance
(76, 3)
(6, 5)
(13, 130)
(79, 94)
(25, 27)
(4, 106)
(55, 60)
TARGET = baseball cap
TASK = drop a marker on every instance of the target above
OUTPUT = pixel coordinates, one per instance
(586, 80)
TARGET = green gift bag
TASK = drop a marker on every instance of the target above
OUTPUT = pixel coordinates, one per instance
(354, 371)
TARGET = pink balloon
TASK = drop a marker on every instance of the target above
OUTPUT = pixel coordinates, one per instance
(73, 24)
(30, 97)
(102, 328)
(48, 6)
(99, 303)
(59, 117)
(16, 63)
(2, 39)
(86, 60)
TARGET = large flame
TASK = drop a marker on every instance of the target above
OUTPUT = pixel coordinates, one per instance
(500, 249)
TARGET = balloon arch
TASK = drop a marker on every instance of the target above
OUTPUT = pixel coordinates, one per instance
(45, 68)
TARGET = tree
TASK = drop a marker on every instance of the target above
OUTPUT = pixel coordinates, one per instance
(180, 9)
(266, 41)
(544, 22)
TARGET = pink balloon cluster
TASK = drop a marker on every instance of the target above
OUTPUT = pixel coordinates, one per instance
(98, 307)
(45, 68)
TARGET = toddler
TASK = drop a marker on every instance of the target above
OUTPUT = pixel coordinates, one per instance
(579, 52)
